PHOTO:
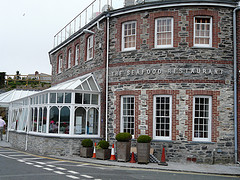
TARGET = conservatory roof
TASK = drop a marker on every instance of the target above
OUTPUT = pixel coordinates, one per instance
(7, 97)
(85, 83)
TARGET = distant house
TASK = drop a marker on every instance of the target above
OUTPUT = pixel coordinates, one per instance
(42, 76)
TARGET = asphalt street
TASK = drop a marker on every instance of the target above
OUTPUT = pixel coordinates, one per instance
(17, 165)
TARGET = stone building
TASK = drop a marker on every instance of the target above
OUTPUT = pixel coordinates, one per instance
(167, 69)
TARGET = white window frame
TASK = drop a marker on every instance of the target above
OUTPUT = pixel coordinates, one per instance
(90, 47)
(60, 61)
(170, 119)
(69, 57)
(76, 55)
(123, 36)
(210, 33)
(156, 32)
(122, 116)
(209, 119)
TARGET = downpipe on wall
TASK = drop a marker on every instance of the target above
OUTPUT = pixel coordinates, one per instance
(235, 80)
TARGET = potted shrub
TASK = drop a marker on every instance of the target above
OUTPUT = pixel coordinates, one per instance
(102, 151)
(143, 149)
(123, 146)
(87, 148)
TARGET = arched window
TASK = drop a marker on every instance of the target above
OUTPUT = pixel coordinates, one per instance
(44, 120)
(40, 120)
(92, 122)
(76, 54)
(60, 59)
(53, 120)
(80, 121)
(35, 120)
(64, 120)
(69, 58)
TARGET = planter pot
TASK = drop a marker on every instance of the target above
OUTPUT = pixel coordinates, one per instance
(123, 151)
(143, 153)
(86, 152)
(103, 154)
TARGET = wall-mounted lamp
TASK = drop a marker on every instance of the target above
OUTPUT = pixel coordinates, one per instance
(88, 31)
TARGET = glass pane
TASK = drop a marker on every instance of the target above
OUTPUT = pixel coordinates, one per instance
(95, 99)
(40, 120)
(86, 99)
(92, 123)
(35, 120)
(44, 120)
(59, 97)
(53, 119)
(68, 97)
(80, 121)
(52, 97)
(64, 120)
(78, 98)
(46, 100)
(85, 86)
(92, 84)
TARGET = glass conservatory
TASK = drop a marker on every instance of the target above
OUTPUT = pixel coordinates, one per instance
(68, 109)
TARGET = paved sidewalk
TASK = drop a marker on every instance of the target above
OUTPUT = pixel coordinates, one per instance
(4, 143)
(172, 166)
(229, 169)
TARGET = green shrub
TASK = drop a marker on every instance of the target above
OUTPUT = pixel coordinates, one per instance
(123, 136)
(87, 143)
(144, 139)
(103, 145)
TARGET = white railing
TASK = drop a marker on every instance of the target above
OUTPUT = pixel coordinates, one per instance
(89, 13)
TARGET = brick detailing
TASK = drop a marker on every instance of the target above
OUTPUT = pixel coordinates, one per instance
(118, 35)
(117, 110)
(168, 81)
(215, 113)
(175, 112)
(171, 61)
(215, 25)
(176, 28)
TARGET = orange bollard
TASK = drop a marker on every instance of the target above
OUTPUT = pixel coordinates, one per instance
(163, 160)
(94, 151)
(113, 158)
(132, 159)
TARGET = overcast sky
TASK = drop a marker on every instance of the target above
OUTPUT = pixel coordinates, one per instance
(27, 32)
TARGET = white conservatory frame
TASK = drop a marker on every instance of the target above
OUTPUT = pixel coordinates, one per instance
(21, 118)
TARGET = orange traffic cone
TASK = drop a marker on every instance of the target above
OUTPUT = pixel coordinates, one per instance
(132, 159)
(94, 151)
(113, 158)
(163, 161)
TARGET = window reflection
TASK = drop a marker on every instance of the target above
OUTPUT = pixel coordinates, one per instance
(53, 120)
(64, 120)
(80, 121)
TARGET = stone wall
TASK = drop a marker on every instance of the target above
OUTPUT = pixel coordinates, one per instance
(46, 145)
(182, 71)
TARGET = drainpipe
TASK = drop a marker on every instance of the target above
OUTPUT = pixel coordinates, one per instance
(106, 134)
(235, 79)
